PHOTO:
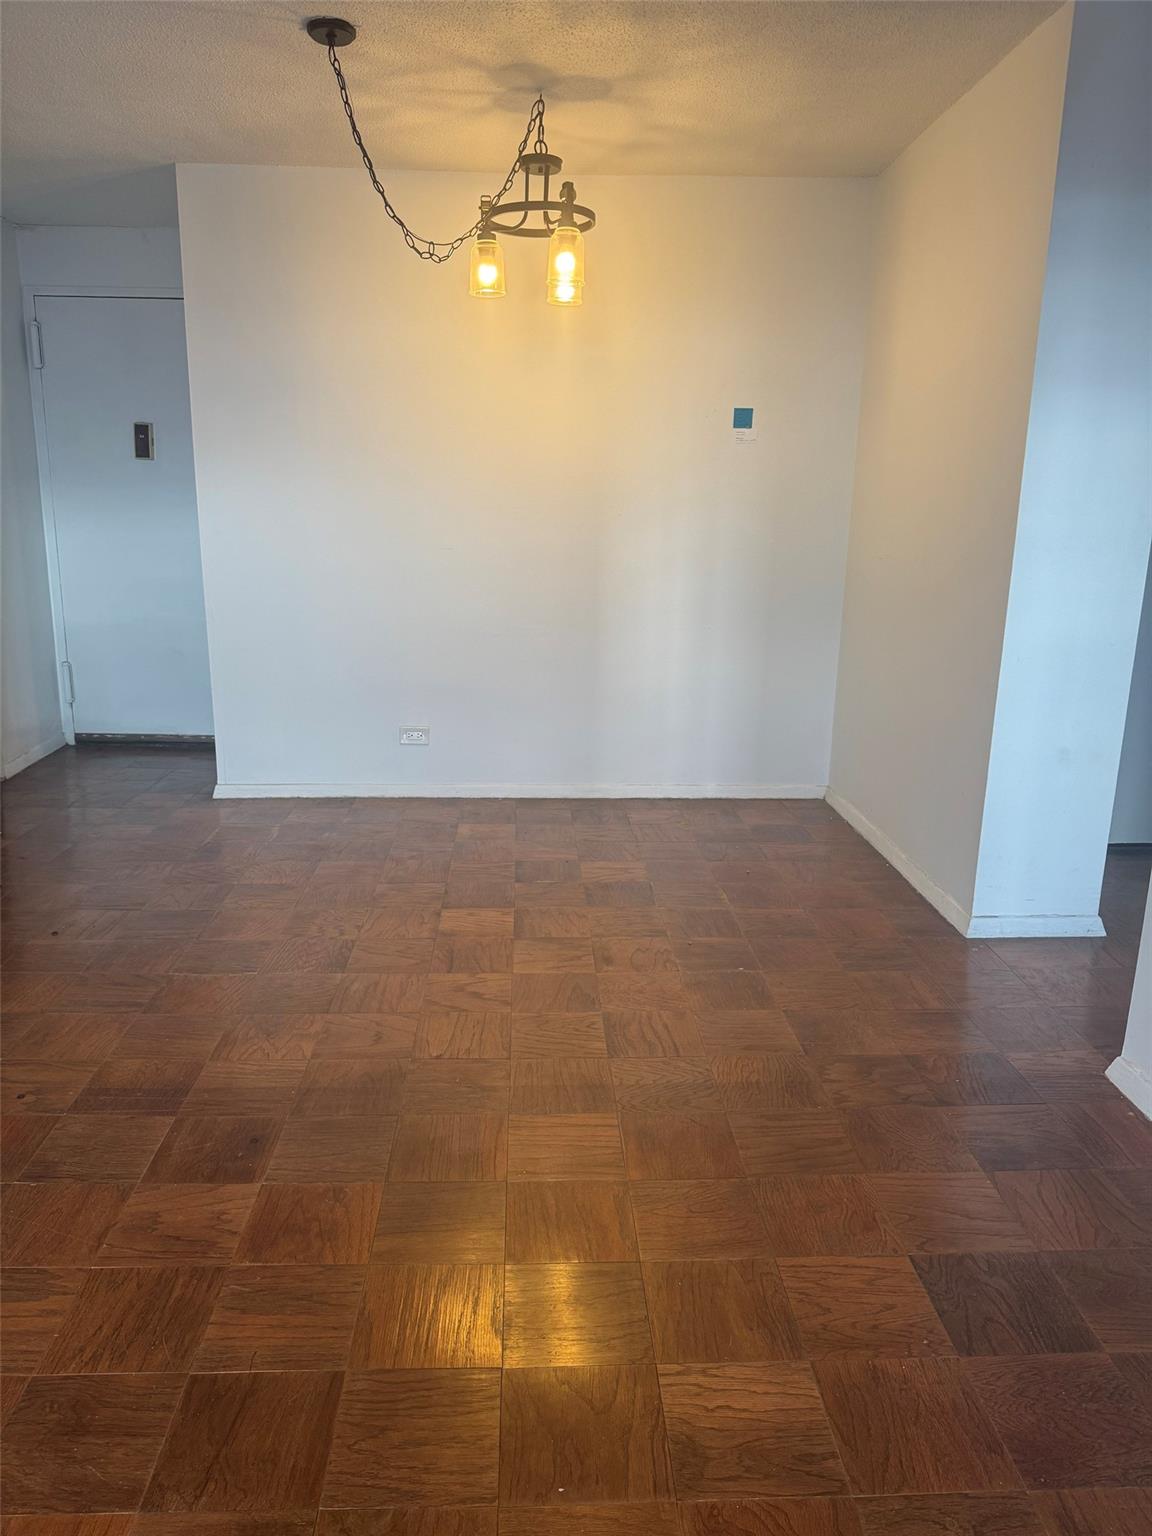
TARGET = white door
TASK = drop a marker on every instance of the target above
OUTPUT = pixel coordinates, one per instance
(131, 588)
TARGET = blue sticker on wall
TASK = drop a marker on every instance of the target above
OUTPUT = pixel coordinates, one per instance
(741, 416)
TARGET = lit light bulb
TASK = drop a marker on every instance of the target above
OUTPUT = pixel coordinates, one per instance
(486, 270)
(566, 266)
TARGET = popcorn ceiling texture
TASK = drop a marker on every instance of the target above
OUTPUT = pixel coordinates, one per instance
(101, 99)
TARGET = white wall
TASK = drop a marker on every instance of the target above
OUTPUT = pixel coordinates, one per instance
(1132, 808)
(30, 717)
(962, 238)
(1085, 520)
(530, 529)
(58, 256)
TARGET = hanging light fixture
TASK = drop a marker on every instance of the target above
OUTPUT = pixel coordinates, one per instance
(534, 215)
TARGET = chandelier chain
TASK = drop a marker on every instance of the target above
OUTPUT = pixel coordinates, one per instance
(434, 250)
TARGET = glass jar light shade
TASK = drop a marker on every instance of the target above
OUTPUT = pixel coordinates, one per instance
(486, 272)
(566, 266)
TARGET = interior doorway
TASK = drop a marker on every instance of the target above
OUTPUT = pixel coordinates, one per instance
(123, 532)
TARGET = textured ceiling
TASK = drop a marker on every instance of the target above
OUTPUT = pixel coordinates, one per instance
(100, 99)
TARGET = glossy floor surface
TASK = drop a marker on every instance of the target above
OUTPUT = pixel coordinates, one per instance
(439, 1168)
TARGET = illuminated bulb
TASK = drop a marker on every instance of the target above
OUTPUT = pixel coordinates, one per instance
(486, 270)
(566, 266)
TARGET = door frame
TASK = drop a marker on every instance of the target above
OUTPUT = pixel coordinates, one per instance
(30, 292)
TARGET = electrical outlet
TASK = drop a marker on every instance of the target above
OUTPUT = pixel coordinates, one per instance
(414, 735)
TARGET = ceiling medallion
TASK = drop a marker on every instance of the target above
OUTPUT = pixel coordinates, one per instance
(536, 215)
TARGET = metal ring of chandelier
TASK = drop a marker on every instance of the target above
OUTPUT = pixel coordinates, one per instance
(561, 220)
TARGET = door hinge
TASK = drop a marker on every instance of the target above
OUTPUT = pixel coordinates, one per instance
(35, 344)
(69, 681)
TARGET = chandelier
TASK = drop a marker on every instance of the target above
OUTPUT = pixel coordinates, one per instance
(535, 215)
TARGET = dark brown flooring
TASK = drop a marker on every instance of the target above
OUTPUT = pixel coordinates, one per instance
(439, 1168)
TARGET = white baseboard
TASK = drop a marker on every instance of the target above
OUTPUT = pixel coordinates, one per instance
(26, 759)
(226, 791)
(1134, 1083)
(899, 860)
(1027, 925)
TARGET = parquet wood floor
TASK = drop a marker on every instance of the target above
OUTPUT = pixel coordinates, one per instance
(490, 1168)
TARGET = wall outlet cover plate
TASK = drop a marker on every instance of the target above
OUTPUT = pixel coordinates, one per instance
(414, 735)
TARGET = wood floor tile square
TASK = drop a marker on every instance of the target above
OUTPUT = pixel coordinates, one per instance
(267, 1037)
(1068, 1420)
(712, 1311)
(977, 1077)
(292, 1317)
(372, 1087)
(104, 1147)
(551, 923)
(388, 955)
(441, 1223)
(33, 1306)
(744, 1430)
(341, 1149)
(415, 1437)
(1074, 1208)
(646, 992)
(450, 1087)
(591, 1520)
(487, 992)
(545, 956)
(745, 1032)
(566, 992)
(780, 1517)
(127, 1320)
(665, 1084)
(82, 1444)
(1094, 1512)
(20, 1135)
(698, 1219)
(679, 1146)
(589, 1433)
(1113, 1290)
(429, 1316)
(575, 1314)
(780, 1080)
(556, 1222)
(646, 956)
(244, 1088)
(647, 1031)
(958, 1514)
(58, 1223)
(557, 1085)
(446, 1148)
(862, 1307)
(78, 1039)
(464, 1036)
(214, 1149)
(311, 1224)
(908, 1138)
(729, 989)
(805, 1141)
(178, 1224)
(471, 955)
(368, 992)
(834, 1214)
(1003, 1304)
(564, 1147)
(243, 1442)
(861, 1081)
(1006, 1137)
(948, 1213)
(363, 1037)
(912, 1426)
(405, 1520)
(483, 922)
(558, 1034)
(134, 1087)
(154, 1035)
